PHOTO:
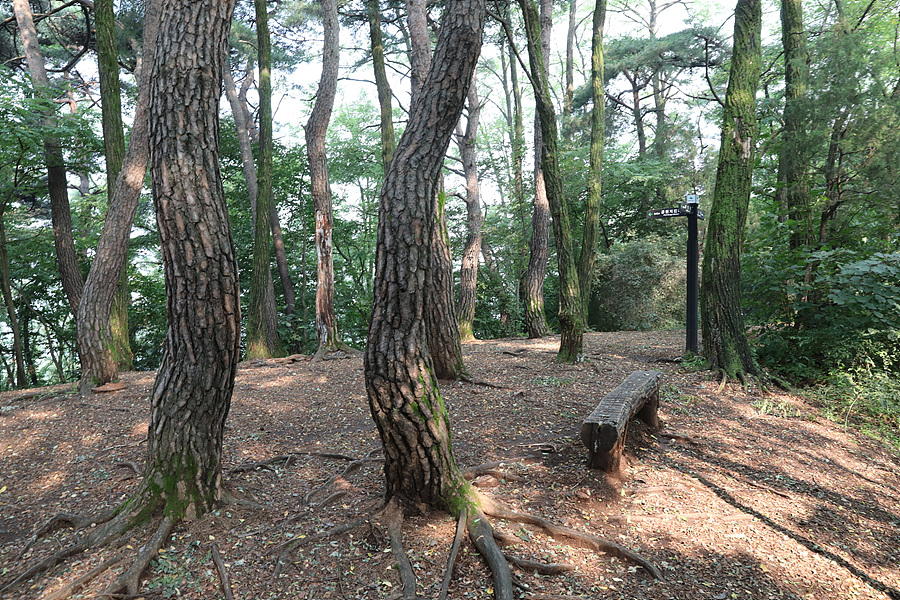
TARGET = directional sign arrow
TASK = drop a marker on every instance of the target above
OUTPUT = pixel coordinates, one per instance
(663, 213)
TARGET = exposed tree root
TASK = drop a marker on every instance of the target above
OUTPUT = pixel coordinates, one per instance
(223, 573)
(723, 382)
(327, 352)
(72, 587)
(558, 532)
(482, 535)
(350, 468)
(454, 550)
(130, 580)
(542, 568)
(393, 518)
(483, 383)
(471, 473)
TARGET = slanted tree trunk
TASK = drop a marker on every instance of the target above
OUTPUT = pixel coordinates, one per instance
(95, 339)
(571, 314)
(262, 321)
(190, 399)
(590, 233)
(725, 343)
(60, 214)
(316, 128)
(403, 392)
(793, 160)
(539, 248)
(18, 358)
(114, 146)
(382, 84)
(468, 272)
(441, 322)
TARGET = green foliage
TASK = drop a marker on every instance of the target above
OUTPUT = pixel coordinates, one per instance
(639, 285)
(870, 402)
(825, 312)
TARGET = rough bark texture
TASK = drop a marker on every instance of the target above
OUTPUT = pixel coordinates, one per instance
(724, 340)
(60, 214)
(440, 318)
(403, 392)
(388, 142)
(262, 320)
(571, 313)
(468, 272)
(793, 160)
(95, 339)
(114, 147)
(192, 393)
(316, 128)
(590, 233)
(539, 247)
(570, 57)
(18, 357)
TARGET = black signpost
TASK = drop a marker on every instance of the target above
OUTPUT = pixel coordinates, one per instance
(691, 210)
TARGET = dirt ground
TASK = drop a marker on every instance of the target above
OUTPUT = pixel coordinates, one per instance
(742, 494)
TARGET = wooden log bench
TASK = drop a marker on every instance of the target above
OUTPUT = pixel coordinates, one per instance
(603, 432)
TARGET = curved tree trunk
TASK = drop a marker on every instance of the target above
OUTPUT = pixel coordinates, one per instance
(403, 391)
(262, 320)
(316, 128)
(60, 214)
(114, 146)
(539, 248)
(571, 314)
(793, 161)
(725, 343)
(192, 393)
(590, 234)
(95, 339)
(468, 272)
(441, 323)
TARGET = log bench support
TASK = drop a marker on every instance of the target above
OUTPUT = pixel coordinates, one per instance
(603, 432)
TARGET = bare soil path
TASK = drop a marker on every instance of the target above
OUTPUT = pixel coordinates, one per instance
(747, 495)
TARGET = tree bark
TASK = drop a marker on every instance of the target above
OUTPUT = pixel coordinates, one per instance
(571, 314)
(441, 322)
(18, 358)
(316, 128)
(793, 160)
(262, 320)
(590, 233)
(570, 58)
(402, 388)
(114, 146)
(725, 343)
(539, 248)
(468, 272)
(99, 364)
(192, 393)
(60, 214)
(388, 143)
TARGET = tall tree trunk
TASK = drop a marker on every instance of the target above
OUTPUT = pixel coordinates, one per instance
(262, 320)
(60, 214)
(539, 248)
(590, 233)
(114, 146)
(18, 357)
(725, 343)
(192, 393)
(793, 160)
(571, 314)
(570, 58)
(316, 128)
(468, 272)
(497, 280)
(441, 322)
(400, 381)
(95, 339)
(382, 84)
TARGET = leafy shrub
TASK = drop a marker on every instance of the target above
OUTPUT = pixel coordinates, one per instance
(826, 312)
(640, 286)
